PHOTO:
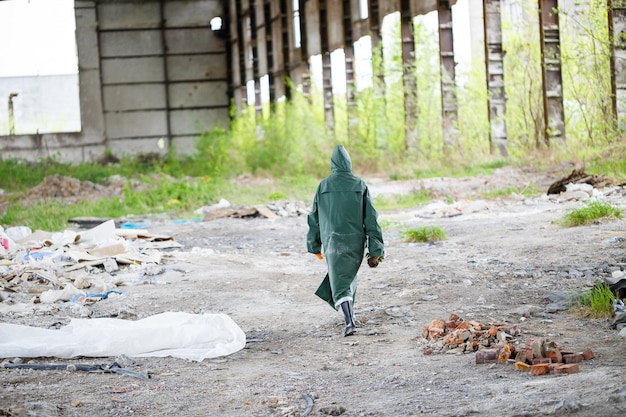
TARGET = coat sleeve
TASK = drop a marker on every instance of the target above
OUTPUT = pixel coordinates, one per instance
(313, 239)
(375, 244)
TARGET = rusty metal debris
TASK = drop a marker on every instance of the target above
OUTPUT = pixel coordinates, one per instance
(112, 368)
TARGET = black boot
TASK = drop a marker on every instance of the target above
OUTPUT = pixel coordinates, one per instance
(346, 306)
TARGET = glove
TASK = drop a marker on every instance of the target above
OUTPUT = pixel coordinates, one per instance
(373, 261)
(319, 256)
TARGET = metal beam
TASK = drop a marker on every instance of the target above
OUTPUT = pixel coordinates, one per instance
(495, 76)
(448, 83)
(617, 33)
(553, 111)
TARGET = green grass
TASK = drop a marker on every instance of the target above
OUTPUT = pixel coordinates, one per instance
(424, 234)
(592, 212)
(598, 302)
(177, 198)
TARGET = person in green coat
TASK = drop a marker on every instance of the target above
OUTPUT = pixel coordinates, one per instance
(343, 223)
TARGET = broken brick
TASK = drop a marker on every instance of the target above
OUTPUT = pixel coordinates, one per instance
(568, 368)
(539, 369)
(464, 325)
(451, 325)
(522, 366)
(524, 355)
(588, 354)
(486, 355)
(573, 358)
(555, 355)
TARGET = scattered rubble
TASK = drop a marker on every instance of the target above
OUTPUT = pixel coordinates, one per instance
(578, 176)
(456, 335)
(224, 209)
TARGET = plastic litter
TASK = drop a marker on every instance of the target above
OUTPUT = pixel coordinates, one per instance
(177, 334)
(94, 296)
(132, 225)
(619, 322)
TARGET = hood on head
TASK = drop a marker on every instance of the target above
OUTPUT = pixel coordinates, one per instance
(340, 160)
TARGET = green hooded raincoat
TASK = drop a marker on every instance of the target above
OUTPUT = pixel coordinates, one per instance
(342, 221)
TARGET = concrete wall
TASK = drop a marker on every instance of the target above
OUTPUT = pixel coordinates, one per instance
(45, 104)
(147, 70)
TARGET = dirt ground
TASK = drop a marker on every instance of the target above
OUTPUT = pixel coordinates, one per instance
(501, 260)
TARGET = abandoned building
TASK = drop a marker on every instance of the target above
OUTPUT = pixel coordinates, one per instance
(161, 71)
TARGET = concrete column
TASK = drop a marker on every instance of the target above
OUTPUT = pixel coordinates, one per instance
(448, 82)
(294, 27)
(91, 108)
(553, 111)
(495, 76)
(277, 64)
(411, 128)
(260, 50)
(327, 81)
(617, 25)
(248, 53)
(375, 26)
(236, 57)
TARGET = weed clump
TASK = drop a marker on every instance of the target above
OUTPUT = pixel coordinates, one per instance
(424, 234)
(592, 212)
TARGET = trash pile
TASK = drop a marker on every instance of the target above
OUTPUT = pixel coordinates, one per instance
(74, 266)
(494, 344)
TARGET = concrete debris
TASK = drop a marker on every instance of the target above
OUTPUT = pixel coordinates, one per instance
(570, 192)
(459, 336)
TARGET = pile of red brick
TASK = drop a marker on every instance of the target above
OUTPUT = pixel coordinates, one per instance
(491, 343)
(541, 356)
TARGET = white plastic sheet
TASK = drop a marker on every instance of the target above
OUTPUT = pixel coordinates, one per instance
(177, 334)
